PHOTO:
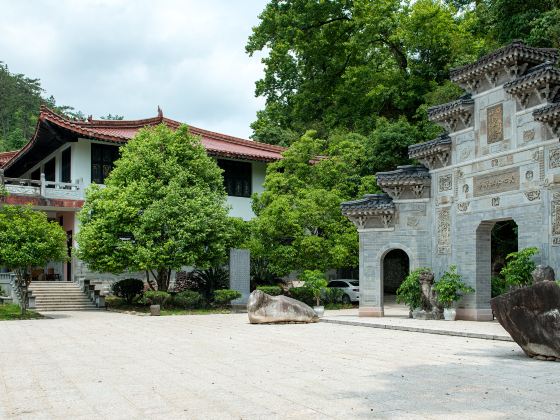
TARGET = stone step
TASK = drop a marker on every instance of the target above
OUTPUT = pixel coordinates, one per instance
(60, 296)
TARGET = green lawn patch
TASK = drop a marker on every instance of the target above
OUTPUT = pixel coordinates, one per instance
(12, 312)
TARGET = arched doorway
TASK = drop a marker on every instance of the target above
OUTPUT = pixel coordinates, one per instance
(396, 266)
(504, 242)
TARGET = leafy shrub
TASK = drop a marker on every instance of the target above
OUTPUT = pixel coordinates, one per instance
(207, 281)
(156, 297)
(223, 297)
(187, 299)
(261, 272)
(410, 291)
(271, 290)
(315, 281)
(303, 294)
(333, 295)
(128, 289)
(519, 266)
(498, 285)
(450, 287)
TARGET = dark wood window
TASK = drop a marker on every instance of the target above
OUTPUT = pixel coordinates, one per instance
(237, 177)
(103, 159)
(65, 165)
(50, 170)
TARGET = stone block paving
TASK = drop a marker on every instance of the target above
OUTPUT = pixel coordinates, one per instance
(110, 365)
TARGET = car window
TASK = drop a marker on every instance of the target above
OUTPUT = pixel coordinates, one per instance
(354, 283)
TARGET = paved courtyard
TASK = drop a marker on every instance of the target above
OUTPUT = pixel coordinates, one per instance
(110, 365)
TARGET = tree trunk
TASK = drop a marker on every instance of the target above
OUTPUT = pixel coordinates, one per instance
(163, 279)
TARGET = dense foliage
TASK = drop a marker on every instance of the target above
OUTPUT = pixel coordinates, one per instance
(299, 224)
(345, 64)
(163, 207)
(20, 100)
(28, 240)
(223, 297)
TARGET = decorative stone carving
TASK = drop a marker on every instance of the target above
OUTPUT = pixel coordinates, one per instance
(529, 135)
(445, 183)
(529, 175)
(430, 309)
(533, 195)
(466, 188)
(554, 158)
(265, 309)
(495, 201)
(531, 315)
(444, 230)
(502, 161)
(495, 123)
(556, 217)
(413, 222)
(465, 153)
(496, 182)
(543, 273)
(464, 206)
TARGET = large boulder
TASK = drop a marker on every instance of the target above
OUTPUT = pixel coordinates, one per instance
(531, 315)
(266, 309)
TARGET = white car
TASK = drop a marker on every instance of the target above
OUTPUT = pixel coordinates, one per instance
(351, 289)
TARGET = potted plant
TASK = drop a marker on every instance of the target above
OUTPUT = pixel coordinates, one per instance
(315, 281)
(450, 289)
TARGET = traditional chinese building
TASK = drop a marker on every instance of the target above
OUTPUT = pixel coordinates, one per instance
(64, 156)
(496, 166)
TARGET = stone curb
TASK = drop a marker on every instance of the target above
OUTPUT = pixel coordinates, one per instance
(420, 330)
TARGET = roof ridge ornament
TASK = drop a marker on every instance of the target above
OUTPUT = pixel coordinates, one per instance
(159, 112)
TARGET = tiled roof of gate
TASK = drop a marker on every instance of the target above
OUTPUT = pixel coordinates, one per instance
(460, 105)
(403, 174)
(546, 72)
(517, 51)
(547, 113)
(433, 146)
(120, 131)
(370, 203)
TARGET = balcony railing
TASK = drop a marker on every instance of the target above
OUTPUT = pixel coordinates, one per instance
(43, 188)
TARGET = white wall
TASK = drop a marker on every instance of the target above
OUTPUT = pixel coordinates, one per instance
(241, 206)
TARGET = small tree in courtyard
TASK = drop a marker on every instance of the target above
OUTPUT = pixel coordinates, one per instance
(163, 207)
(27, 240)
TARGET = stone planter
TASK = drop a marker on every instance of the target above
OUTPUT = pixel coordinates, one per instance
(449, 314)
(155, 310)
(319, 310)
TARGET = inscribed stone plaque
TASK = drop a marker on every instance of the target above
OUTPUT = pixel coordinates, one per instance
(240, 274)
(444, 231)
(494, 116)
(496, 182)
(445, 182)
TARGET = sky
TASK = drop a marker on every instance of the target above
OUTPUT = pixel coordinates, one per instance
(128, 57)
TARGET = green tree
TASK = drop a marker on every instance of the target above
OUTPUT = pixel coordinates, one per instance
(343, 63)
(299, 224)
(27, 240)
(163, 207)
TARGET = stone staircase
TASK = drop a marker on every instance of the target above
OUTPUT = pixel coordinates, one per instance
(60, 296)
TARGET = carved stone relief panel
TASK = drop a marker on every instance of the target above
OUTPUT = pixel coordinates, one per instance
(445, 182)
(495, 121)
(556, 214)
(496, 182)
(533, 195)
(554, 158)
(528, 135)
(444, 231)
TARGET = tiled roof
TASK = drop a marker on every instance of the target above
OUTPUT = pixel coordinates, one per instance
(548, 113)
(442, 142)
(406, 174)
(6, 156)
(120, 131)
(463, 104)
(370, 204)
(540, 74)
(516, 52)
